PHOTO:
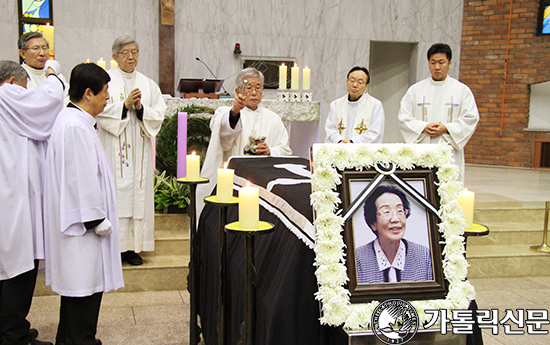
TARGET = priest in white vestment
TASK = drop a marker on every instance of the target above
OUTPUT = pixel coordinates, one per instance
(246, 128)
(133, 116)
(439, 109)
(81, 221)
(21, 232)
(35, 50)
(357, 117)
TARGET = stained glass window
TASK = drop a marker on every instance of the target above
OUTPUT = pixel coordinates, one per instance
(35, 9)
(544, 18)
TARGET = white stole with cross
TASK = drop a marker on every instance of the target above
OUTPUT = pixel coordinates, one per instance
(363, 116)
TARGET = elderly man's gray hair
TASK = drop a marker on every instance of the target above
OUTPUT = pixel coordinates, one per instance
(121, 42)
(10, 69)
(23, 41)
(249, 72)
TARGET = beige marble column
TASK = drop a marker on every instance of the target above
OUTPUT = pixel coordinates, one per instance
(166, 47)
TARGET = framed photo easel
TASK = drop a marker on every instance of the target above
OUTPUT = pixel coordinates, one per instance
(344, 176)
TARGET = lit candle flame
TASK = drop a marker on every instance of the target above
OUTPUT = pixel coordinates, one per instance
(225, 165)
(193, 153)
(248, 183)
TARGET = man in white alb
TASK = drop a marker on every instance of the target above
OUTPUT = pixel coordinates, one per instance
(80, 210)
(133, 116)
(439, 109)
(21, 231)
(357, 117)
(245, 128)
(35, 50)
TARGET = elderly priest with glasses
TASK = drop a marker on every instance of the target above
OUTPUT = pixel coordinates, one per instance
(133, 116)
(246, 128)
(35, 51)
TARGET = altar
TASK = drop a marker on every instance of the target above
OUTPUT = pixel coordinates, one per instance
(301, 118)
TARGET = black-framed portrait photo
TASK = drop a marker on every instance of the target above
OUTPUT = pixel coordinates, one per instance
(392, 241)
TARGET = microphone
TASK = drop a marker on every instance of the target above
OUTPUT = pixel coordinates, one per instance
(205, 65)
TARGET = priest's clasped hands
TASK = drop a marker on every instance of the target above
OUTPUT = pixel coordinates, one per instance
(134, 100)
(435, 129)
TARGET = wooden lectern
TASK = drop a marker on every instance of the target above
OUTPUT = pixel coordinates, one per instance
(199, 88)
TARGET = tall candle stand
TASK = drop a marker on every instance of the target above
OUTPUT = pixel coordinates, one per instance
(247, 332)
(192, 281)
(223, 296)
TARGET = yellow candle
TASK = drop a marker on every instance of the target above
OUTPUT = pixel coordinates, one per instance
(224, 190)
(102, 63)
(282, 76)
(466, 201)
(249, 207)
(306, 74)
(47, 32)
(295, 80)
(193, 162)
(113, 64)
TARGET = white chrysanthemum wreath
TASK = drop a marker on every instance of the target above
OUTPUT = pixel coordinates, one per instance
(330, 257)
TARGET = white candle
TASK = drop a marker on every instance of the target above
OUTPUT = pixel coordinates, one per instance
(295, 77)
(224, 190)
(466, 201)
(48, 33)
(193, 162)
(249, 207)
(102, 63)
(113, 64)
(282, 76)
(306, 74)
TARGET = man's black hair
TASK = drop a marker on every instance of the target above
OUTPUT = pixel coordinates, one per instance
(357, 68)
(87, 76)
(440, 48)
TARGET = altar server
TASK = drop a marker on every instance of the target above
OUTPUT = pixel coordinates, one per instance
(26, 117)
(357, 117)
(35, 51)
(246, 128)
(440, 108)
(133, 117)
(81, 221)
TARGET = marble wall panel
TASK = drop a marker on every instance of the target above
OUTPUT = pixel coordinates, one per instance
(10, 31)
(329, 36)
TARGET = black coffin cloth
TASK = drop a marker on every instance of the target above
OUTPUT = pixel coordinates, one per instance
(286, 309)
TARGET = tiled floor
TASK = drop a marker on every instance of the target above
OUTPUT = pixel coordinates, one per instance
(153, 317)
(161, 318)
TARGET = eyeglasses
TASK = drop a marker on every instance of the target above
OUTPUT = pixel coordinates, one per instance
(249, 89)
(353, 81)
(126, 53)
(36, 49)
(387, 213)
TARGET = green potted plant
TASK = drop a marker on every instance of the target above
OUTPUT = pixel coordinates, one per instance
(170, 195)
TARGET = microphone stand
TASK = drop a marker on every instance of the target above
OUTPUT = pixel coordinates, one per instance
(208, 68)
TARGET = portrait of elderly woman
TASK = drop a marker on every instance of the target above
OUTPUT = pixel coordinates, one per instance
(390, 258)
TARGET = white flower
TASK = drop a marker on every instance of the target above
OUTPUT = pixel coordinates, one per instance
(325, 179)
(330, 256)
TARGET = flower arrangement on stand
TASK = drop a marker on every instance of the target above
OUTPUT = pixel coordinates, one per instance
(330, 260)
